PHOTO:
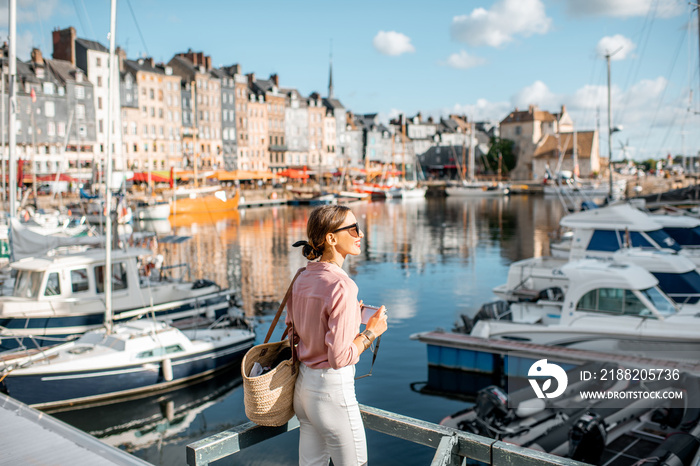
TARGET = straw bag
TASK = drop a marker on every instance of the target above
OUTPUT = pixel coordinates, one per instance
(269, 398)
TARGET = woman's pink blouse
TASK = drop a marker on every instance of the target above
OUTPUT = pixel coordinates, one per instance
(326, 316)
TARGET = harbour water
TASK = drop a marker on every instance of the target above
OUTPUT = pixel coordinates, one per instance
(427, 260)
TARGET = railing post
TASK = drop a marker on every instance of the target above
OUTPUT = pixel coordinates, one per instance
(446, 454)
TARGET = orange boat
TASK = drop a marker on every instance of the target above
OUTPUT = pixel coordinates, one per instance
(204, 202)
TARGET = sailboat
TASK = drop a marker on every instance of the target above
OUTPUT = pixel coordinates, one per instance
(470, 187)
(122, 359)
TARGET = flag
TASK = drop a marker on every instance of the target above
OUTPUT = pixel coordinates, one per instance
(33, 94)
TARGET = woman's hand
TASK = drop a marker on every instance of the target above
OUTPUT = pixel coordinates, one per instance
(377, 323)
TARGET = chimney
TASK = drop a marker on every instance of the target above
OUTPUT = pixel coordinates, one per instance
(64, 44)
(275, 79)
(251, 78)
(121, 57)
(149, 61)
(563, 109)
(235, 69)
(37, 58)
(531, 109)
(207, 62)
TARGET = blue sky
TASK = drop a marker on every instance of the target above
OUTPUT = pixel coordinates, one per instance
(479, 58)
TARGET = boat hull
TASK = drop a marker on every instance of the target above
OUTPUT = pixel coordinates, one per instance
(204, 203)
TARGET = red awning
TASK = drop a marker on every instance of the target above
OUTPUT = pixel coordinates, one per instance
(293, 173)
(143, 178)
(61, 177)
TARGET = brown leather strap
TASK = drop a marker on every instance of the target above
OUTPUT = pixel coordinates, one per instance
(279, 311)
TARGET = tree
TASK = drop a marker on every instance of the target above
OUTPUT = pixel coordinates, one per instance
(504, 149)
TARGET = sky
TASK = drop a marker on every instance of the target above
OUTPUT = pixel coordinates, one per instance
(478, 58)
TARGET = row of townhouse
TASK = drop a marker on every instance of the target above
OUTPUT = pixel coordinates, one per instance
(187, 112)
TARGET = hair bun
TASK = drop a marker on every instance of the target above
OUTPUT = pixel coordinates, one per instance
(308, 250)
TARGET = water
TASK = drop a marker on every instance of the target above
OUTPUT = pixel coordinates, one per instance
(427, 260)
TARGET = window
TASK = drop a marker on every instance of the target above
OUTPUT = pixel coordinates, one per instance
(98, 61)
(79, 92)
(51, 129)
(48, 88)
(100, 126)
(99, 103)
(80, 112)
(53, 285)
(49, 109)
(605, 240)
(99, 81)
(118, 277)
(82, 131)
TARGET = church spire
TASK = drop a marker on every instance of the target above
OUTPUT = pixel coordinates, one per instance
(330, 74)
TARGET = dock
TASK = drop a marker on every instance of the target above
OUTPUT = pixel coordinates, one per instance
(463, 352)
(32, 437)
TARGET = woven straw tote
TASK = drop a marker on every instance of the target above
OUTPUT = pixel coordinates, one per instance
(269, 398)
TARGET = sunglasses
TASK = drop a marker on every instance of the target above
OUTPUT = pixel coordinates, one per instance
(353, 229)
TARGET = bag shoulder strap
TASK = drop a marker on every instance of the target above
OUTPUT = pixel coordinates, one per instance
(282, 305)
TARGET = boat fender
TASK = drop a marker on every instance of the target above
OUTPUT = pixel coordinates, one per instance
(530, 407)
(167, 368)
(587, 438)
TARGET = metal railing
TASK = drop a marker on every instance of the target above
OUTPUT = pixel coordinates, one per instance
(452, 446)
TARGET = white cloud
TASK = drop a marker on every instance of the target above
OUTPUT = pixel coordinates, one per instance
(610, 44)
(392, 43)
(463, 60)
(497, 26)
(28, 11)
(537, 94)
(625, 8)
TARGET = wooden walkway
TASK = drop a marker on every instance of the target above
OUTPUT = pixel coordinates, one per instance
(28, 436)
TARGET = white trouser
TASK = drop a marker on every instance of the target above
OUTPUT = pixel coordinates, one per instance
(330, 424)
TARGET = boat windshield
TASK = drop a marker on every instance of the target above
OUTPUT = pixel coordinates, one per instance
(661, 302)
(662, 238)
(686, 237)
(683, 288)
(27, 284)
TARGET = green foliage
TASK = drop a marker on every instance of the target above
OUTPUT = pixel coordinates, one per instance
(504, 149)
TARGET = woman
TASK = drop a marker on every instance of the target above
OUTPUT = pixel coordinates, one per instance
(326, 315)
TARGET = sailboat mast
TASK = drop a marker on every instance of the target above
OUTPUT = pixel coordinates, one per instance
(472, 155)
(111, 82)
(13, 109)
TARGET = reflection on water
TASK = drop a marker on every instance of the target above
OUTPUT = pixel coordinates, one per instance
(155, 420)
(427, 260)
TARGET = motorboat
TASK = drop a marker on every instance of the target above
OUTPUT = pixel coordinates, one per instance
(151, 210)
(477, 189)
(533, 278)
(595, 431)
(61, 294)
(130, 358)
(607, 307)
(598, 233)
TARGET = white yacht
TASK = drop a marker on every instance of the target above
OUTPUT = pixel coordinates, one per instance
(607, 307)
(59, 296)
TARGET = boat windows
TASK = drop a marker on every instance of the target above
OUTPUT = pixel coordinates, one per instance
(605, 240)
(662, 238)
(683, 288)
(660, 301)
(684, 236)
(79, 280)
(160, 351)
(27, 284)
(118, 277)
(613, 301)
(53, 285)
